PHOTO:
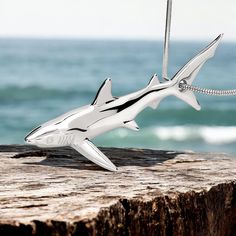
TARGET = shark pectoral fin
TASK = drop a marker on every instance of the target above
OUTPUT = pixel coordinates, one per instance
(154, 104)
(104, 93)
(131, 125)
(90, 151)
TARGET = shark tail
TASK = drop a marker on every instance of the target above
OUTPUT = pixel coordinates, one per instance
(188, 97)
(188, 73)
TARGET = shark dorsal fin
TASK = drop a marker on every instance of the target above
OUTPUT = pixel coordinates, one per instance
(104, 93)
(154, 81)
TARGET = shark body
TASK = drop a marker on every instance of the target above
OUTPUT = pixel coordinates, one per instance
(78, 127)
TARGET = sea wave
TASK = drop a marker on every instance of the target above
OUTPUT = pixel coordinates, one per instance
(212, 135)
(208, 134)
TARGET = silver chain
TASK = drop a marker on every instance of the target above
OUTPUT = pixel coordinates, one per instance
(211, 92)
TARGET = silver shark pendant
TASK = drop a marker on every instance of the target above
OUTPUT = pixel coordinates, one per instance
(78, 127)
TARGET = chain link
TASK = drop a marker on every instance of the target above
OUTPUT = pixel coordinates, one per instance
(211, 92)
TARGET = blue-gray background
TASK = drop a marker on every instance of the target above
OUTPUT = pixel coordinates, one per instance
(41, 79)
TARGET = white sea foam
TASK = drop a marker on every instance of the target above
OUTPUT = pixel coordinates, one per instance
(212, 134)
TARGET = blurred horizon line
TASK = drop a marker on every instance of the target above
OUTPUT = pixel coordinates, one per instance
(84, 38)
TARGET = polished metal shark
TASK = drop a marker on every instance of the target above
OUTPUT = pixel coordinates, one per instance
(78, 127)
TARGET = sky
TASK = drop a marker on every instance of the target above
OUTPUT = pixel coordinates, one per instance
(122, 19)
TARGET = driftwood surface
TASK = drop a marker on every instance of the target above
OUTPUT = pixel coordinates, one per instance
(59, 192)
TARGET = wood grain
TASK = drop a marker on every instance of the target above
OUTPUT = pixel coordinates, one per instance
(59, 192)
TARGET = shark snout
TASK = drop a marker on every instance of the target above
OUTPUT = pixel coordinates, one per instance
(29, 138)
(45, 136)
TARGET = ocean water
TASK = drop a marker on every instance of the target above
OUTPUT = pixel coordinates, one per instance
(41, 79)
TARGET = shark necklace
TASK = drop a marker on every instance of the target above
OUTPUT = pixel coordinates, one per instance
(78, 127)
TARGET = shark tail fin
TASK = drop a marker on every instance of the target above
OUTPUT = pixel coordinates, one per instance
(189, 72)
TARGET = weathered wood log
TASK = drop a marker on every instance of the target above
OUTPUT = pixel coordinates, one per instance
(58, 192)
